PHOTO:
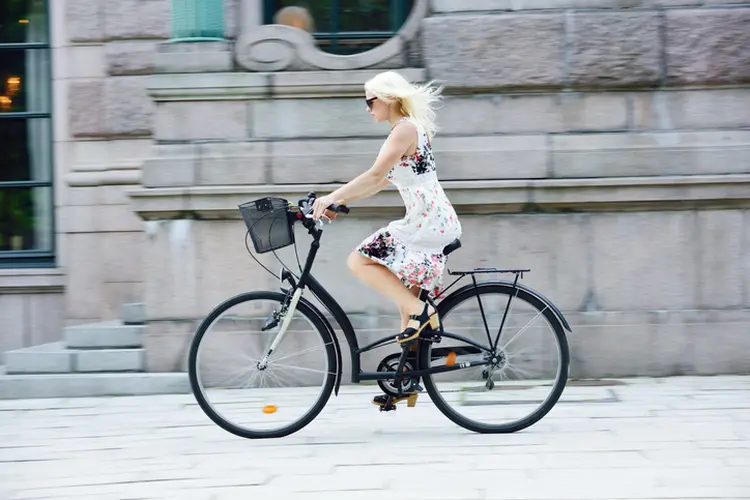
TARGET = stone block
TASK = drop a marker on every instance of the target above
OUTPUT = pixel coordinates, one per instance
(109, 360)
(616, 48)
(113, 107)
(86, 100)
(133, 314)
(454, 6)
(721, 255)
(493, 157)
(134, 19)
(602, 346)
(45, 358)
(202, 120)
(209, 263)
(226, 163)
(299, 118)
(85, 20)
(194, 57)
(720, 341)
(692, 109)
(46, 313)
(629, 275)
(486, 114)
(13, 321)
(555, 248)
(657, 153)
(129, 110)
(171, 165)
(82, 61)
(84, 285)
(322, 160)
(131, 58)
(494, 51)
(112, 335)
(115, 269)
(166, 343)
(92, 385)
(708, 46)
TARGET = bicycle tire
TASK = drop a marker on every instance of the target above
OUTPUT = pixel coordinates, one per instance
(503, 288)
(226, 424)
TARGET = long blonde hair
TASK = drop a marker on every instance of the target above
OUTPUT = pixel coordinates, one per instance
(415, 101)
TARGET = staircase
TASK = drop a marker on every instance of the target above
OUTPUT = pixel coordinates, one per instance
(99, 359)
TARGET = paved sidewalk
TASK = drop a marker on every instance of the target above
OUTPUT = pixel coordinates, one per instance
(680, 438)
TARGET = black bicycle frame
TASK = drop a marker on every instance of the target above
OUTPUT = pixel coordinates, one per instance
(306, 280)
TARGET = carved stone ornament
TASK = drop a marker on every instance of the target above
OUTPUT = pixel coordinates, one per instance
(274, 47)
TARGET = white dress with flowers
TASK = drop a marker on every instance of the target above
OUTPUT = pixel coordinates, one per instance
(412, 247)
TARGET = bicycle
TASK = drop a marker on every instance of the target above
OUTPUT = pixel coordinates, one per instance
(270, 224)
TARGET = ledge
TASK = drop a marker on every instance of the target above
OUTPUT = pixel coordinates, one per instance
(31, 281)
(492, 196)
(243, 86)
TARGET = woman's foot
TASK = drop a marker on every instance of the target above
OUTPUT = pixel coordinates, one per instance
(411, 399)
(418, 322)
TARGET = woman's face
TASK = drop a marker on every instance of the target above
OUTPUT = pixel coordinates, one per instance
(377, 108)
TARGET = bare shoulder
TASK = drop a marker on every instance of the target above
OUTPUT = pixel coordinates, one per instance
(405, 132)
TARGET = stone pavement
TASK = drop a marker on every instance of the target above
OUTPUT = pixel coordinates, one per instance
(679, 438)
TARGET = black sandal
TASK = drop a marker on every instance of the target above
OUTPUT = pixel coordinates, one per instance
(424, 319)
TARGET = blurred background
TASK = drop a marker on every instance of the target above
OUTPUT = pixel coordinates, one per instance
(604, 144)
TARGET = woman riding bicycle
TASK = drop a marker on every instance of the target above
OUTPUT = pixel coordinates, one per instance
(405, 256)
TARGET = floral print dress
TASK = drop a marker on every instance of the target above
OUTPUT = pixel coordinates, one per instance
(412, 247)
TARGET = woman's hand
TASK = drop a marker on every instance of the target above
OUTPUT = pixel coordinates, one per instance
(320, 207)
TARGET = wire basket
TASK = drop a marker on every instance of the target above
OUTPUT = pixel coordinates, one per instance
(268, 221)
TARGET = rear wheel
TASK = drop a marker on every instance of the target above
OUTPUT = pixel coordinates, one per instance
(524, 375)
(240, 393)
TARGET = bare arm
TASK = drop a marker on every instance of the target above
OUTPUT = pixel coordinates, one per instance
(371, 192)
(368, 183)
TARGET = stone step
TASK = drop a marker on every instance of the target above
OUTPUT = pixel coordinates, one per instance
(133, 314)
(108, 334)
(55, 358)
(76, 385)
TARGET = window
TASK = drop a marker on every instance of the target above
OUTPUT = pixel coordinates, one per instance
(346, 26)
(26, 198)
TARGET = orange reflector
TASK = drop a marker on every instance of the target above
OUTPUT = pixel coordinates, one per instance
(270, 409)
(450, 360)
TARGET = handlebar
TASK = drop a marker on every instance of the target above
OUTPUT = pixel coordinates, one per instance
(306, 203)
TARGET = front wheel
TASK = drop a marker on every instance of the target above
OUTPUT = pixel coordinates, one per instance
(250, 396)
(524, 367)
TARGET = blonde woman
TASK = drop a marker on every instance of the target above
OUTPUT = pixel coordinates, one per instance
(406, 256)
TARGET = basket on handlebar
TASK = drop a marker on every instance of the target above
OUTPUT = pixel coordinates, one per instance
(268, 221)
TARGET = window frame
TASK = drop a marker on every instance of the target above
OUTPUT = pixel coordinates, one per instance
(35, 257)
(398, 15)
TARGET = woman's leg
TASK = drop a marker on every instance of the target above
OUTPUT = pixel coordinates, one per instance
(384, 281)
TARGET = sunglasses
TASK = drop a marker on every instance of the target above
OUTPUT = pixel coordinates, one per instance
(370, 101)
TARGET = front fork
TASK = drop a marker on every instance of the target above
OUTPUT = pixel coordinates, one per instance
(287, 312)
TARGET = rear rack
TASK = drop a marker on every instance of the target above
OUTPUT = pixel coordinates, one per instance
(488, 270)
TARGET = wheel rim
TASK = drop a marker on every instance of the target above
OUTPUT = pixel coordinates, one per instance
(257, 400)
(529, 366)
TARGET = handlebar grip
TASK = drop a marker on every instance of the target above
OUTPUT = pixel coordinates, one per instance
(339, 208)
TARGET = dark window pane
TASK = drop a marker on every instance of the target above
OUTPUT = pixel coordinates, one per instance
(25, 149)
(25, 219)
(349, 26)
(24, 80)
(23, 21)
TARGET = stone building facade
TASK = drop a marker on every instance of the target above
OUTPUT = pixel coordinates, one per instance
(604, 144)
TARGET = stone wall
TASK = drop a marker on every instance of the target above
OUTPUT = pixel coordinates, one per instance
(604, 144)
